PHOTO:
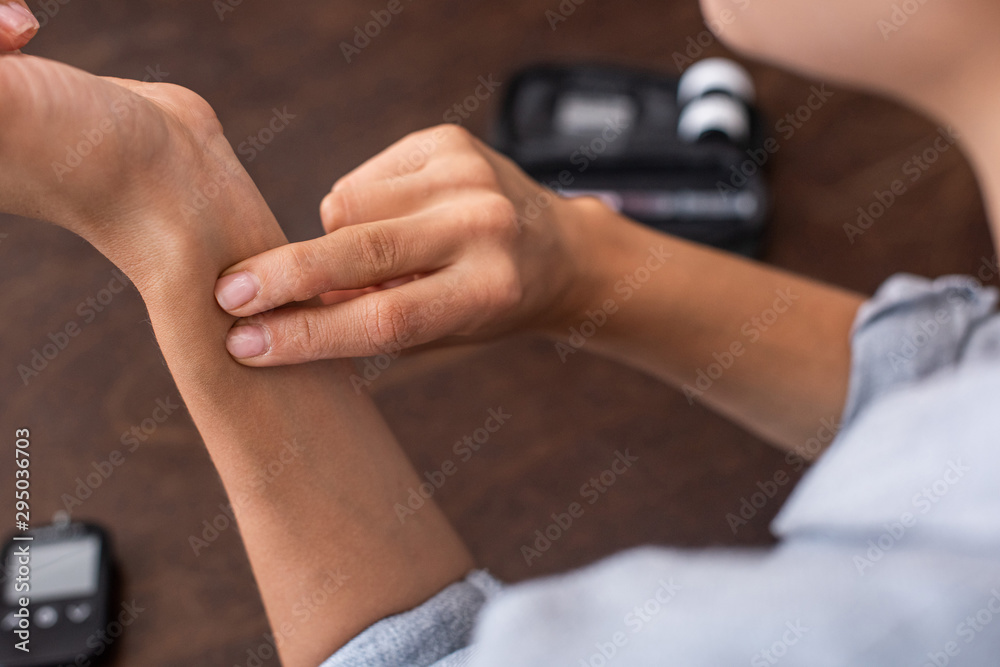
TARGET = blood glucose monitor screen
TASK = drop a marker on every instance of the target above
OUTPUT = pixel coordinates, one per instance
(61, 570)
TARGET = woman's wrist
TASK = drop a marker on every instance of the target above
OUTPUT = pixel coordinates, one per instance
(595, 245)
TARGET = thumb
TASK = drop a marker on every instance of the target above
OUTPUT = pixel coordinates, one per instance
(17, 24)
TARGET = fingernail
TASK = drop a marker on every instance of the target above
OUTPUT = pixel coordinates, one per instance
(247, 341)
(236, 289)
(17, 20)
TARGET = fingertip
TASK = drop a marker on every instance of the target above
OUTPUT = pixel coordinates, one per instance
(328, 212)
(248, 341)
(10, 45)
(17, 26)
(235, 290)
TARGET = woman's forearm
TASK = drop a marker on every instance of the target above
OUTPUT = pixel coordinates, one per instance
(762, 346)
(311, 468)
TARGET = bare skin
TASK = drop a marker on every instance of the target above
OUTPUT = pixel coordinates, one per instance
(415, 220)
(464, 218)
(327, 522)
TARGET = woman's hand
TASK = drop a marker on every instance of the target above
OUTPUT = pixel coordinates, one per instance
(17, 25)
(438, 236)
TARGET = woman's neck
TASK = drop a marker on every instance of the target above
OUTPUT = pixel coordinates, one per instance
(968, 104)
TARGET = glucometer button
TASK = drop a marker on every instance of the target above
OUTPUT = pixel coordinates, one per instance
(78, 613)
(46, 617)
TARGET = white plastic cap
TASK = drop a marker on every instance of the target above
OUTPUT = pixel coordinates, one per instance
(715, 74)
(719, 113)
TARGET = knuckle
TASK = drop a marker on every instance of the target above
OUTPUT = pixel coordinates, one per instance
(296, 334)
(338, 206)
(588, 204)
(377, 248)
(411, 137)
(300, 262)
(385, 322)
(452, 133)
(508, 290)
(304, 271)
(307, 338)
(426, 140)
(430, 146)
(492, 215)
(472, 171)
(329, 213)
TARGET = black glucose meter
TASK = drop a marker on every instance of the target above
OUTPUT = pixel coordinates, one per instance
(57, 588)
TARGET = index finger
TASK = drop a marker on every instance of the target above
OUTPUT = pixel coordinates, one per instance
(352, 258)
(17, 24)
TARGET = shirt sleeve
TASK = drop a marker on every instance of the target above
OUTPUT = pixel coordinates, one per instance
(912, 328)
(888, 552)
(435, 634)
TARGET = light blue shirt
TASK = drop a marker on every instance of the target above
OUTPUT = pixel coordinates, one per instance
(889, 548)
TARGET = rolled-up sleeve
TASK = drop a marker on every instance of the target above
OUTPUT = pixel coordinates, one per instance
(912, 328)
(435, 634)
